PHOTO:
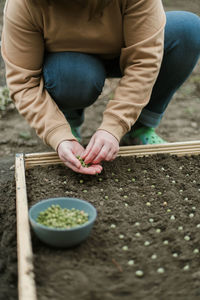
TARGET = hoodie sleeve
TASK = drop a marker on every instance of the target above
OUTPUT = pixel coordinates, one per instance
(23, 51)
(140, 60)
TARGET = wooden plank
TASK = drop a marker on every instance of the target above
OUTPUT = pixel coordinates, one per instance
(179, 149)
(183, 153)
(177, 145)
(26, 283)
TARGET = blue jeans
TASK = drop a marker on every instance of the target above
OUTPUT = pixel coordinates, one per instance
(75, 80)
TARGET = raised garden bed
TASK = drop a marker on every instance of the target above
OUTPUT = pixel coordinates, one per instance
(148, 221)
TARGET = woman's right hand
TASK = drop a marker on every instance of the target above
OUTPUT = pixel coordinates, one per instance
(68, 152)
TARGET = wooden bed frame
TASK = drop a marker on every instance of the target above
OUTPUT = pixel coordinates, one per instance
(26, 282)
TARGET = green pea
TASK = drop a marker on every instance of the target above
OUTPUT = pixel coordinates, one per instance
(56, 217)
(84, 165)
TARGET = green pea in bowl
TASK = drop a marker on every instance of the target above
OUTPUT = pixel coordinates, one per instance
(71, 235)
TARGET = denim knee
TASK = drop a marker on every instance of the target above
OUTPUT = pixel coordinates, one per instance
(192, 31)
(184, 28)
(181, 53)
(74, 80)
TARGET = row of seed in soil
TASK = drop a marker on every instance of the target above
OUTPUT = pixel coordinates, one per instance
(159, 202)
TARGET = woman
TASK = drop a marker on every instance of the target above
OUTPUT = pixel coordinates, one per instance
(58, 54)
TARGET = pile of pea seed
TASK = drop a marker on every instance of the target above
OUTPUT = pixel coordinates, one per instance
(84, 165)
(63, 218)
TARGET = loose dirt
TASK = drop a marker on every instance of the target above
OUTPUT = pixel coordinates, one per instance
(152, 209)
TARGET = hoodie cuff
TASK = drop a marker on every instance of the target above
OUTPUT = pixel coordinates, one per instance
(58, 135)
(114, 126)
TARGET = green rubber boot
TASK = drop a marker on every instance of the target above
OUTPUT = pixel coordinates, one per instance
(142, 136)
(76, 131)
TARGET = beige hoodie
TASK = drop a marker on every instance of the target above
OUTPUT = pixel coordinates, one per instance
(133, 29)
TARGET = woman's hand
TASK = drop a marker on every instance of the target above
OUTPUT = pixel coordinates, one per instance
(102, 146)
(68, 152)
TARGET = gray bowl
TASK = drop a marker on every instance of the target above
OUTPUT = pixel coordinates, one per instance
(62, 237)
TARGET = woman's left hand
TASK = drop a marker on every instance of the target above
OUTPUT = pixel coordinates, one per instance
(102, 146)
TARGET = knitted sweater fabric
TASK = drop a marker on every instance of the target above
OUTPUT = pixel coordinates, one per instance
(130, 29)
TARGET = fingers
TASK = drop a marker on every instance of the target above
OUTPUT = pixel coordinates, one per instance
(102, 147)
(102, 155)
(68, 157)
(73, 163)
(68, 152)
(106, 154)
(91, 170)
(111, 155)
(92, 151)
(88, 148)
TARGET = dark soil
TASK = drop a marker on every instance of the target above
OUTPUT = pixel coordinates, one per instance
(8, 256)
(98, 268)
